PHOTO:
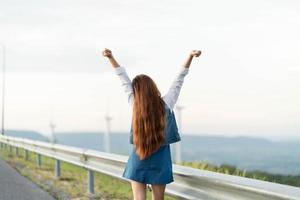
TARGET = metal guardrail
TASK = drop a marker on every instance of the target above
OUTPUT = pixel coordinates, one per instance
(188, 183)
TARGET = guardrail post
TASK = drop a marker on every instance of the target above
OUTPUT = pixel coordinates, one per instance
(26, 154)
(10, 149)
(90, 182)
(57, 168)
(17, 151)
(39, 159)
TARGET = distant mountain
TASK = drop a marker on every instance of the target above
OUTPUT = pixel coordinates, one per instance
(248, 153)
(119, 143)
(243, 152)
(33, 135)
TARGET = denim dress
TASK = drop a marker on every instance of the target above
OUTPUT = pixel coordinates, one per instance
(156, 168)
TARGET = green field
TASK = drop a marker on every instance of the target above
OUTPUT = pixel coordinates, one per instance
(232, 170)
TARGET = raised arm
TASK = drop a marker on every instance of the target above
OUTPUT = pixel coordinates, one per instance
(172, 95)
(121, 73)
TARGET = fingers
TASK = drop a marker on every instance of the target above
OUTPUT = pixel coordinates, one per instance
(106, 49)
(106, 52)
(196, 53)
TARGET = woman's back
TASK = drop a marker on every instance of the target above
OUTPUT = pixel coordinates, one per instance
(155, 169)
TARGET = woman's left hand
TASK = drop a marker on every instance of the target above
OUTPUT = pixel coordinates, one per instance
(107, 53)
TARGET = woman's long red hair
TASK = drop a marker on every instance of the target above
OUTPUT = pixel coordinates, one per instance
(148, 117)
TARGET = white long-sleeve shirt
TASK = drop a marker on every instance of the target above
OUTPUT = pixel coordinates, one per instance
(170, 98)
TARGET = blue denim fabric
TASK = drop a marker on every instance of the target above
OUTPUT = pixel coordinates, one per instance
(171, 130)
(155, 169)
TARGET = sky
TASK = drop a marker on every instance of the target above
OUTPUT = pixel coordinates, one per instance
(245, 83)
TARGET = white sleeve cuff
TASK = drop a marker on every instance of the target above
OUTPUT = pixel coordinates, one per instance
(184, 70)
(119, 70)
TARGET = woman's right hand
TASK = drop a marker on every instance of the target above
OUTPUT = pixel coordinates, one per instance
(188, 61)
(107, 53)
(195, 53)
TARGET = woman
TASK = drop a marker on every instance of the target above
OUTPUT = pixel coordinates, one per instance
(153, 129)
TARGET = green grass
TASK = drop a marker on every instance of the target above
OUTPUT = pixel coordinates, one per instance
(73, 181)
(256, 174)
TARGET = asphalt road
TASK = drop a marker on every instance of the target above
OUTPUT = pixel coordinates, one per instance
(14, 186)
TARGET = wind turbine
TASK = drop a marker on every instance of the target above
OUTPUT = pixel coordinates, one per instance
(52, 128)
(107, 133)
(178, 144)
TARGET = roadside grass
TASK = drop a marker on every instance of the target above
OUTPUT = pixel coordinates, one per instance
(293, 180)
